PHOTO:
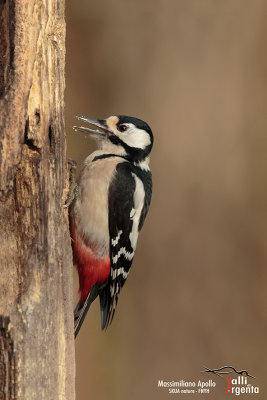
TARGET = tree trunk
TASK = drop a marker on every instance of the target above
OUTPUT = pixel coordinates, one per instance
(36, 321)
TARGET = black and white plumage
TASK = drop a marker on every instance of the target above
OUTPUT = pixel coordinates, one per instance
(129, 199)
(113, 196)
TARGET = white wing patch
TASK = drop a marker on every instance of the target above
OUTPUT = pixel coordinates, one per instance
(132, 213)
(139, 198)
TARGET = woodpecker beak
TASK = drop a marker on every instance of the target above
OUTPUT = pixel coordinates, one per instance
(99, 124)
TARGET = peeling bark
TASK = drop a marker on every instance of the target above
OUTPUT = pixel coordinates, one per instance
(36, 324)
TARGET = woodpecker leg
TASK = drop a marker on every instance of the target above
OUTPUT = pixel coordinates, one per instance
(73, 185)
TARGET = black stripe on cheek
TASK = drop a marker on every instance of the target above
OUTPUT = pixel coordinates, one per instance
(103, 156)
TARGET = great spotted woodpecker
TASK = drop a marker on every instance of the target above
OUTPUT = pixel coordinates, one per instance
(112, 198)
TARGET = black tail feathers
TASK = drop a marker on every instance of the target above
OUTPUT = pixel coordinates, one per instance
(107, 305)
(104, 297)
(82, 308)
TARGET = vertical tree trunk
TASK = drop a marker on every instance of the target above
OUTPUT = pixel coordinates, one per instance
(36, 325)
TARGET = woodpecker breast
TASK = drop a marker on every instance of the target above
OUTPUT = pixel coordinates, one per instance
(90, 210)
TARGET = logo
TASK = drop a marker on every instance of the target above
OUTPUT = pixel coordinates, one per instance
(235, 385)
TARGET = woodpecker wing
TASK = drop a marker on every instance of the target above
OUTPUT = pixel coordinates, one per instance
(129, 199)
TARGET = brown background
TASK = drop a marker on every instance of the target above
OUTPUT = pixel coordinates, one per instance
(196, 72)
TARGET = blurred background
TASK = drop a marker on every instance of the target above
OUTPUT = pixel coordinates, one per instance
(196, 72)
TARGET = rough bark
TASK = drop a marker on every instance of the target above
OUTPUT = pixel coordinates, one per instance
(36, 326)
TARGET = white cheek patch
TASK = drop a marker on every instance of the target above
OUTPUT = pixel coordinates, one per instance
(135, 137)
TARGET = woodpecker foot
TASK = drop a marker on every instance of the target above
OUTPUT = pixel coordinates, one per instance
(73, 185)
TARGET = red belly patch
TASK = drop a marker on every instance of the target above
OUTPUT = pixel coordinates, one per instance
(90, 268)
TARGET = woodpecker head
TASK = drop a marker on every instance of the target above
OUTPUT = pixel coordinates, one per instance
(131, 136)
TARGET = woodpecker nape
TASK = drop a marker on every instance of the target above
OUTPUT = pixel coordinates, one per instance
(111, 201)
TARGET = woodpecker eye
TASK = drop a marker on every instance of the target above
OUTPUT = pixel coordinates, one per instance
(122, 128)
